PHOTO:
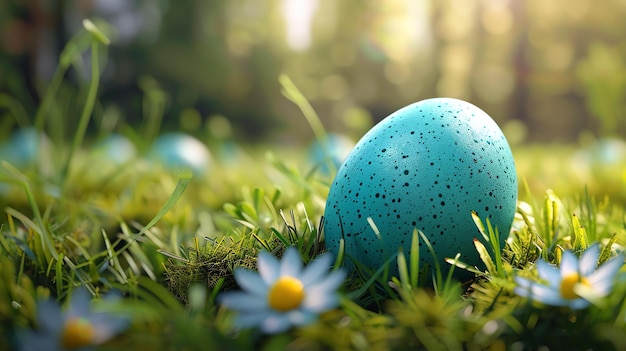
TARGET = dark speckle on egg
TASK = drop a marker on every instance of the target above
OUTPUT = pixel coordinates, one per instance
(426, 166)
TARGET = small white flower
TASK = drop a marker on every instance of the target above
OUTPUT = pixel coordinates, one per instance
(283, 293)
(573, 275)
(78, 328)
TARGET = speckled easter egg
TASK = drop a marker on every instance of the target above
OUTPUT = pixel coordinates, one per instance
(426, 166)
(180, 151)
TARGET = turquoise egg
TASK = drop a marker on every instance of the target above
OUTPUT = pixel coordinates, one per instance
(179, 151)
(330, 152)
(427, 166)
(25, 148)
(608, 152)
(115, 148)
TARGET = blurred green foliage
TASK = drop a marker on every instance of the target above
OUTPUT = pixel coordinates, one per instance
(556, 66)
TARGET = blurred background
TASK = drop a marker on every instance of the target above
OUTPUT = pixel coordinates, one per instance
(546, 71)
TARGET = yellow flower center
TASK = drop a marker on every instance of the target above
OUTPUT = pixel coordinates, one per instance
(569, 282)
(78, 332)
(286, 294)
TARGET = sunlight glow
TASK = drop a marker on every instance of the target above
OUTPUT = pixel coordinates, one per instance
(399, 30)
(299, 17)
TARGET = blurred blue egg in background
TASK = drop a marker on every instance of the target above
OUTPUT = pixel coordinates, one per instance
(116, 148)
(26, 147)
(608, 152)
(180, 151)
(330, 152)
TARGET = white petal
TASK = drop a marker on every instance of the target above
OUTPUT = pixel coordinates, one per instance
(301, 317)
(569, 263)
(269, 267)
(49, 317)
(241, 301)
(589, 260)
(543, 294)
(602, 280)
(330, 283)
(276, 323)
(523, 287)
(319, 303)
(523, 282)
(251, 282)
(522, 291)
(323, 296)
(79, 304)
(549, 273)
(316, 270)
(291, 263)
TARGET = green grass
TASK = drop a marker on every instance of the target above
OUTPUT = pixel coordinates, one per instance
(169, 243)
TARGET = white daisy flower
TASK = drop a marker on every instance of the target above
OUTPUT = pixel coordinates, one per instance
(78, 328)
(283, 293)
(574, 275)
